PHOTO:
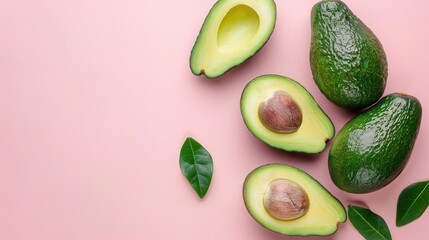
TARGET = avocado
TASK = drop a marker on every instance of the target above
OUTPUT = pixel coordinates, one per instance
(372, 149)
(347, 60)
(233, 31)
(289, 201)
(283, 114)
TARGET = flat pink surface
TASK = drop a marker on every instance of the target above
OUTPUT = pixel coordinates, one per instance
(96, 99)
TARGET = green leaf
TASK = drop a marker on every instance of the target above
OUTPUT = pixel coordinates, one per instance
(412, 203)
(197, 165)
(369, 225)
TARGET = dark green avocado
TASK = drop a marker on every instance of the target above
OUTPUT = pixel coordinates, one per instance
(372, 149)
(347, 60)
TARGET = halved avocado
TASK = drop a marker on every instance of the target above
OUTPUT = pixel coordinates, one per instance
(323, 212)
(309, 136)
(233, 31)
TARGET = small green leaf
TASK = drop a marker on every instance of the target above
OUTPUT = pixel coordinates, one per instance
(369, 225)
(412, 203)
(197, 165)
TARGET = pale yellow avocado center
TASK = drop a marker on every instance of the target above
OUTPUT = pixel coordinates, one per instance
(237, 28)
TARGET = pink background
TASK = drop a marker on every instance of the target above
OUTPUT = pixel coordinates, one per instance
(96, 99)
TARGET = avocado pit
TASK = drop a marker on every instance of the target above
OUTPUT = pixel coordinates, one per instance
(285, 200)
(279, 112)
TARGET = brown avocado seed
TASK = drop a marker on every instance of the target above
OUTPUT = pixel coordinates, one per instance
(285, 200)
(279, 112)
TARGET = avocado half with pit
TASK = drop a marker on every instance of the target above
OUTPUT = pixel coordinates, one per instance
(283, 114)
(289, 201)
(233, 31)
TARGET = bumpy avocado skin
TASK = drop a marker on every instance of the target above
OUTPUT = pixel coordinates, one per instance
(347, 60)
(372, 149)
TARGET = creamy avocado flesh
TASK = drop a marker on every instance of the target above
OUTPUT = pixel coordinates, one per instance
(324, 212)
(314, 129)
(233, 31)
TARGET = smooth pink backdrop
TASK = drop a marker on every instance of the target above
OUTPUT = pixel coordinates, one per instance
(96, 99)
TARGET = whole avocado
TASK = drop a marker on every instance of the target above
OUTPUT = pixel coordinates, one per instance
(347, 60)
(373, 148)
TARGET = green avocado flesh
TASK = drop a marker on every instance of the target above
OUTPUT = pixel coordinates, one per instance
(347, 60)
(233, 31)
(324, 212)
(372, 149)
(316, 127)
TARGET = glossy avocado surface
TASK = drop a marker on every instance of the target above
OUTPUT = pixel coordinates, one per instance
(373, 148)
(347, 60)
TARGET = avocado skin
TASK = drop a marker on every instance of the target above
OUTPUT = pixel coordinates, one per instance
(347, 60)
(373, 148)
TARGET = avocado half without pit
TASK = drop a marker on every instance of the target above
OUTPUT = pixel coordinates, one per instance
(283, 114)
(233, 31)
(287, 200)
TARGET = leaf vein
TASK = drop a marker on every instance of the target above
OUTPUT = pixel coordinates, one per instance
(196, 169)
(414, 201)
(376, 230)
